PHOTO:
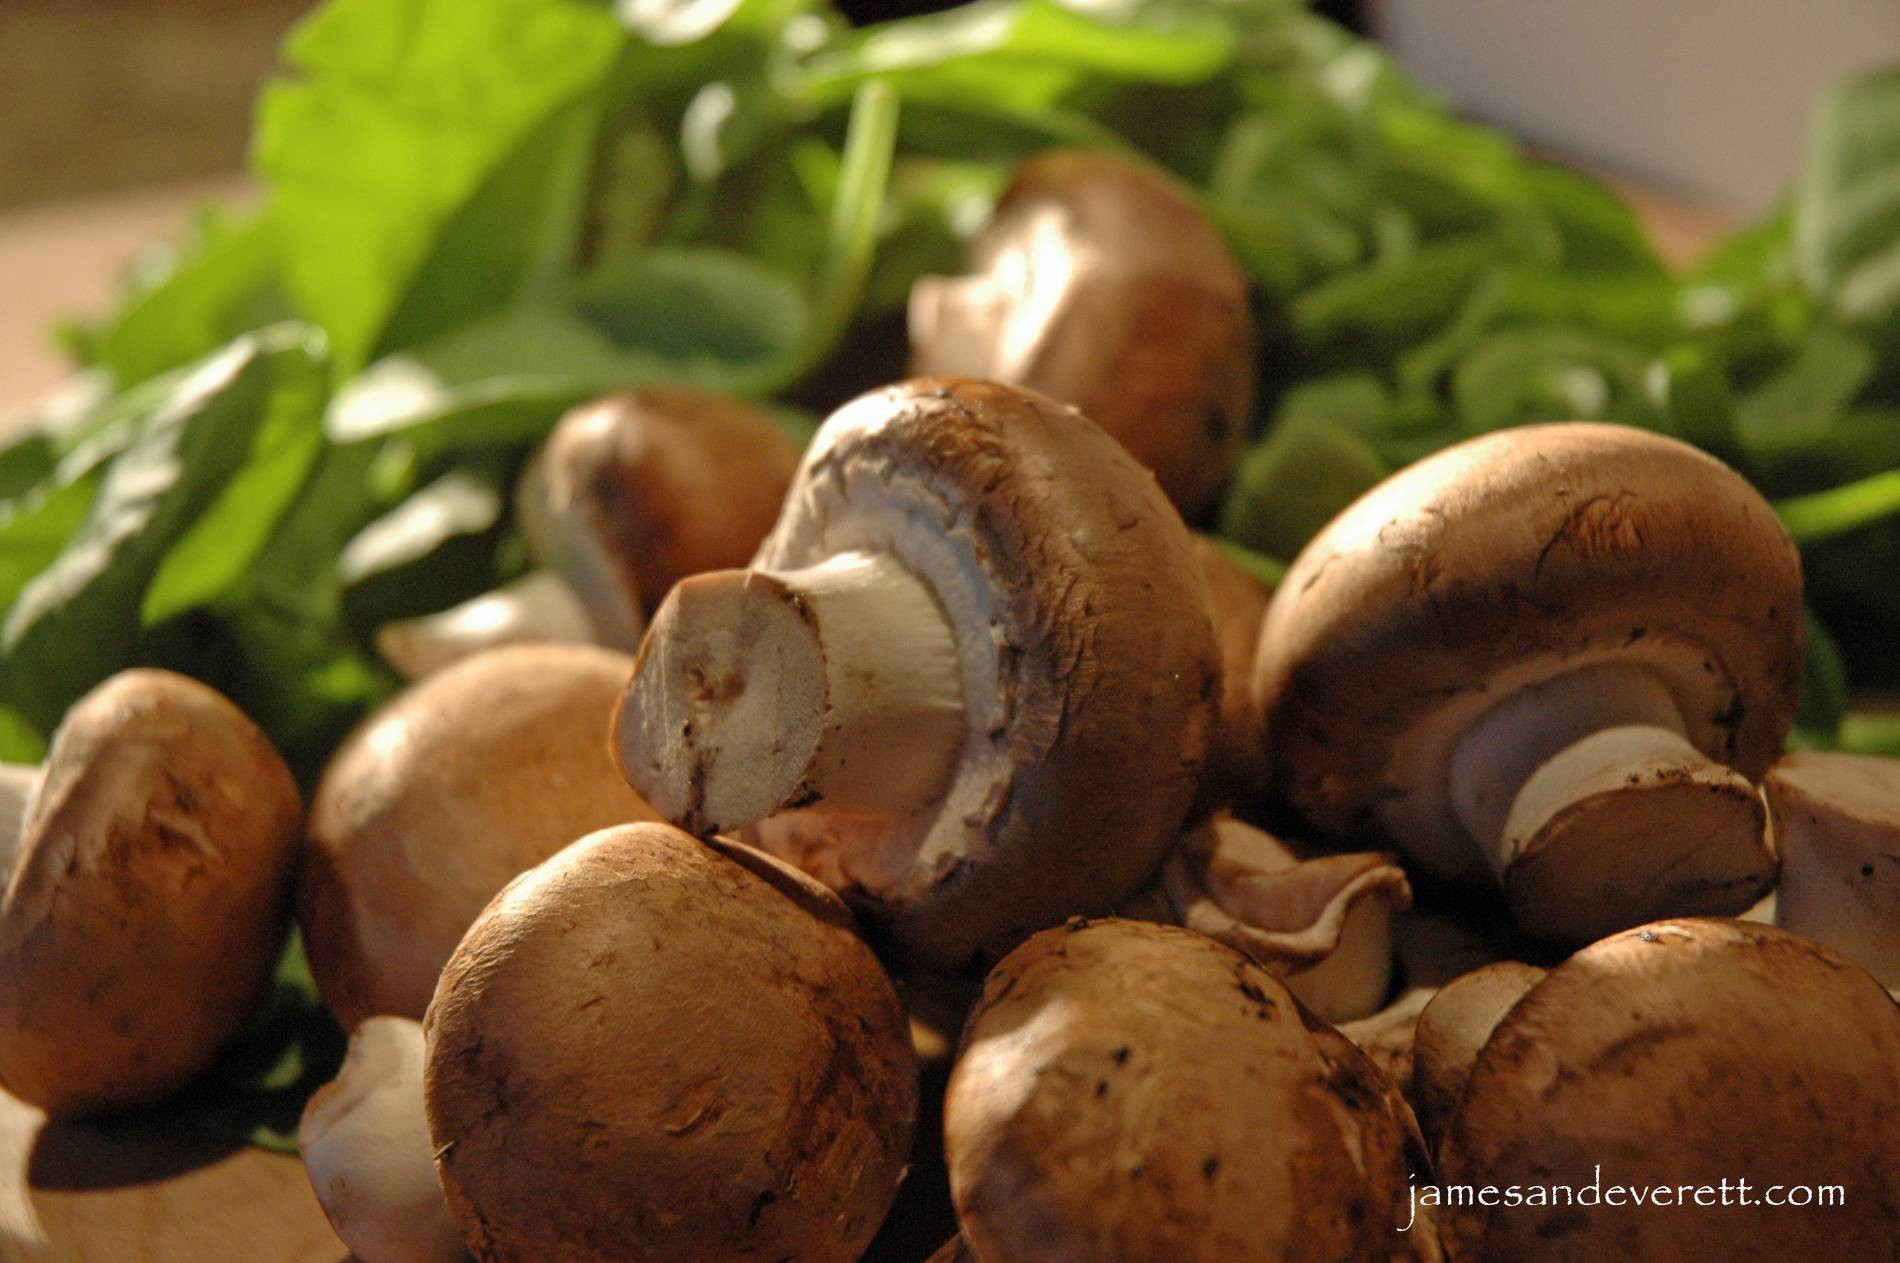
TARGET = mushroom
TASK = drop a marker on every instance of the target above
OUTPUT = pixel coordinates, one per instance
(953, 1251)
(1837, 817)
(1433, 949)
(449, 790)
(1138, 1093)
(970, 680)
(658, 1049)
(1551, 657)
(1099, 283)
(1237, 767)
(145, 906)
(1322, 924)
(1452, 1028)
(630, 494)
(365, 1146)
(1683, 1055)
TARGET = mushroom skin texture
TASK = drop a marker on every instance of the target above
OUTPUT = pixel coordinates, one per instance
(1237, 768)
(365, 1146)
(656, 1049)
(1322, 924)
(630, 494)
(437, 800)
(1097, 282)
(1451, 1030)
(1837, 818)
(1686, 1052)
(146, 898)
(970, 680)
(1138, 1093)
(1553, 658)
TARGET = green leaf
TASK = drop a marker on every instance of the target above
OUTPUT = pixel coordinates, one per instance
(1297, 479)
(1824, 687)
(1549, 373)
(1829, 368)
(398, 114)
(1847, 205)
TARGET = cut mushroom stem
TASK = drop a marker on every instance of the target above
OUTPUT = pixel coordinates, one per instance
(1838, 820)
(535, 608)
(760, 691)
(1589, 778)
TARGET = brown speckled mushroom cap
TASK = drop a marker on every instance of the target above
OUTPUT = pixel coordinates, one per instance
(1686, 1053)
(1499, 563)
(655, 1049)
(1139, 1093)
(1089, 669)
(457, 784)
(1100, 284)
(149, 901)
(633, 492)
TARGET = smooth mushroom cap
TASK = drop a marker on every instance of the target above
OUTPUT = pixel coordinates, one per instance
(149, 901)
(1237, 768)
(1684, 1053)
(1321, 923)
(457, 784)
(633, 492)
(654, 1048)
(1837, 817)
(1088, 664)
(1504, 562)
(1138, 1093)
(1097, 282)
(365, 1146)
(1453, 1028)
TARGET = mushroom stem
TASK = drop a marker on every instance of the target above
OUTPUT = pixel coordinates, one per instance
(18, 781)
(758, 691)
(537, 607)
(1588, 782)
(1838, 820)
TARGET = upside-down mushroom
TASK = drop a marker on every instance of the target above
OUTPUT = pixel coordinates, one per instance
(969, 681)
(630, 494)
(454, 786)
(1837, 818)
(1097, 282)
(1138, 1093)
(146, 879)
(1709, 1055)
(1553, 658)
(652, 1049)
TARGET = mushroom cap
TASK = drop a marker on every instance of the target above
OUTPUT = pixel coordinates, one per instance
(437, 800)
(1112, 292)
(1687, 1052)
(653, 1048)
(1497, 564)
(1137, 1093)
(1237, 768)
(1451, 1030)
(633, 492)
(149, 902)
(1089, 669)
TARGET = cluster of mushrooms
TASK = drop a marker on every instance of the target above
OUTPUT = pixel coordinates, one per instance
(935, 820)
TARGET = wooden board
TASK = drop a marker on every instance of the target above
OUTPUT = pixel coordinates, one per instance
(149, 1192)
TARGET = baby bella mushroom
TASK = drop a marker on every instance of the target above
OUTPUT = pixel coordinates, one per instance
(441, 797)
(1138, 1093)
(1552, 657)
(145, 905)
(630, 494)
(1451, 1031)
(970, 680)
(1684, 1055)
(365, 1146)
(1237, 767)
(1099, 283)
(660, 1050)
(1837, 818)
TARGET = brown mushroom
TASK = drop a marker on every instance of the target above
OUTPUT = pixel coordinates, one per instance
(1138, 1093)
(456, 785)
(1451, 1031)
(652, 1048)
(1698, 1062)
(146, 894)
(1237, 769)
(629, 495)
(1837, 817)
(969, 681)
(1099, 283)
(1552, 657)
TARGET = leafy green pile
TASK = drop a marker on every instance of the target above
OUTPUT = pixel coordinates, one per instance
(304, 421)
